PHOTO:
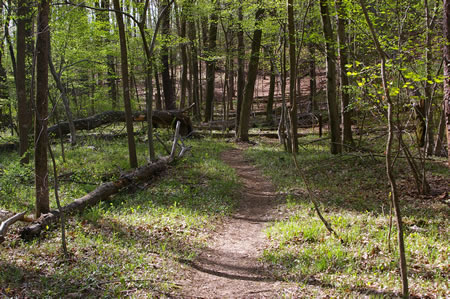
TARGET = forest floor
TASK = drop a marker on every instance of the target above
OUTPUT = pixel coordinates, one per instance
(231, 265)
(230, 221)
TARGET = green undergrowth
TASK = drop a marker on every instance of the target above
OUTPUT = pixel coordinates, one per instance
(353, 192)
(132, 245)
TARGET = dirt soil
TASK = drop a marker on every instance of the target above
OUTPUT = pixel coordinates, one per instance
(230, 266)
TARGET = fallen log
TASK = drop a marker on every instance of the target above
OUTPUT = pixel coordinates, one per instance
(7, 223)
(104, 191)
(270, 135)
(101, 193)
(9, 147)
(160, 118)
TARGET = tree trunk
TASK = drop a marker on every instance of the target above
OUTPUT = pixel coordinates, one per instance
(126, 86)
(211, 64)
(292, 77)
(251, 78)
(241, 74)
(269, 109)
(389, 165)
(312, 78)
(194, 64)
(428, 88)
(231, 76)
(439, 149)
(149, 107)
(65, 100)
(158, 92)
(23, 105)
(347, 138)
(4, 94)
(40, 134)
(446, 30)
(331, 79)
(184, 61)
(167, 80)
(112, 81)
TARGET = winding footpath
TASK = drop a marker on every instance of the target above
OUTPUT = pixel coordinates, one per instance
(230, 266)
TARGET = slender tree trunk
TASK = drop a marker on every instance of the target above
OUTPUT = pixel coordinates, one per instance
(192, 32)
(231, 75)
(446, 30)
(4, 94)
(103, 17)
(428, 88)
(331, 79)
(440, 138)
(65, 100)
(312, 78)
(169, 99)
(92, 96)
(126, 86)
(292, 77)
(40, 134)
(23, 104)
(149, 108)
(184, 61)
(112, 81)
(389, 164)
(347, 138)
(241, 74)
(211, 64)
(269, 110)
(158, 92)
(149, 49)
(251, 79)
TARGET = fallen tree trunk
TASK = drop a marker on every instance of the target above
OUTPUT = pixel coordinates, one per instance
(160, 118)
(9, 147)
(5, 224)
(103, 192)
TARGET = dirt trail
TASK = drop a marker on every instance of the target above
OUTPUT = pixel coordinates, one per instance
(229, 267)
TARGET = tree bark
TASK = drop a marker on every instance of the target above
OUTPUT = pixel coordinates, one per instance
(312, 80)
(446, 29)
(23, 104)
(292, 77)
(149, 107)
(184, 61)
(40, 134)
(269, 108)
(428, 88)
(4, 94)
(167, 80)
(251, 78)
(112, 81)
(439, 149)
(241, 74)
(347, 138)
(158, 91)
(192, 33)
(211, 64)
(125, 86)
(331, 79)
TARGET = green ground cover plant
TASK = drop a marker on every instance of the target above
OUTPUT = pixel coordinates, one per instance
(131, 245)
(353, 192)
